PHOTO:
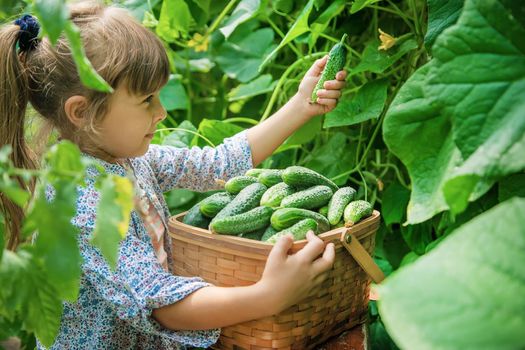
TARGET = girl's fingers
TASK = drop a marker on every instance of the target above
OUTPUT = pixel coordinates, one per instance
(325, 262)
(334, 84)
(312, 249)
(330, 103)
(329, 93)
(341, 75)
(279, 251)
(316, 68)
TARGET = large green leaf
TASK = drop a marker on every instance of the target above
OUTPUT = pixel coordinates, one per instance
(467, 292)
(245, 10)
(367, 104)
(394, 202)
(181, 138)
(441, 15)
(240, 57)
(299, 27)
(216, 131)
(377, 61)
(260, 85)
(456, 123)
(511, 186)
(175, 19)
(173, 95)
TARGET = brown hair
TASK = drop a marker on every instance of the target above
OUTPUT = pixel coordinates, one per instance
(120, 49)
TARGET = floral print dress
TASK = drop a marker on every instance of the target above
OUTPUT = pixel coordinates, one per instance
(113, 310)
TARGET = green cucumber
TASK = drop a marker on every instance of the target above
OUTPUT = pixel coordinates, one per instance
(247, 199)
(298, 176)
(285, 217)
(298, 230)
(323, 211)
(195, 218)
(255, 235)
(213, 204)
(337, 204)
(311, 198)
(255, 172)
(336, 62)
(249, 221)
(357, 210)
(237, 183)
(270, 177)
(269, 232)
(275, 194)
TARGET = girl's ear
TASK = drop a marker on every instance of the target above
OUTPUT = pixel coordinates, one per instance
(74, 108)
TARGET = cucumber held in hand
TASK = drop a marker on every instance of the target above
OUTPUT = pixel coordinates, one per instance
(357, 210)
(336, 62)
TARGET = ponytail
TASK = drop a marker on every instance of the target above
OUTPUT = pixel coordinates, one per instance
(13, 104)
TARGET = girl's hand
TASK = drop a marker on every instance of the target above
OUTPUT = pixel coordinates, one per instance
(327, 97)
(288, 279)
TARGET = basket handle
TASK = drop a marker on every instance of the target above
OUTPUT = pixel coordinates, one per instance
(362, 257)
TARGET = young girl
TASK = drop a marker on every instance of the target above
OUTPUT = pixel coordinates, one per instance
(141, 304)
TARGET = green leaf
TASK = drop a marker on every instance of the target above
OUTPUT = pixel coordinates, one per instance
(457, 123)
(53, 16)
(216, 131)
(138, 8)
(175, 19)
(394, 202)
(200, 11)
(245, 10)
(13, 191)
(441, 15)
(239, 59)
(30, 293)
(56, 243)
(319, 26)
(358, 5)
(179, 197)
(113, 216)
(305, 133)
(368, 103)
(180, 138)
(258, 86)
(417, 237)
(89, 77)
(332, 158)
(513, 185)
(377, 61)
(299, 27)
(465, 293)
(65, 157)
(173, 95)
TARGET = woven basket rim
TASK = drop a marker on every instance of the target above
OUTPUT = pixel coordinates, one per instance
(185, 232)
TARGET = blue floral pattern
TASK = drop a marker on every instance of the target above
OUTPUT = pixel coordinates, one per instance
(113, 310)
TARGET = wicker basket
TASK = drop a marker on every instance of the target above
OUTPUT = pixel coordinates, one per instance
(234, 261)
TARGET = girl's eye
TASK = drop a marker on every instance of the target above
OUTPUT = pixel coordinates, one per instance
(148, 99)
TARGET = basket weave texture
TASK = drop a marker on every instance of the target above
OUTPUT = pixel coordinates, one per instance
(234, 261)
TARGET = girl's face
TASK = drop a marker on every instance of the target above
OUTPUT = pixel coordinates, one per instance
(127, 129)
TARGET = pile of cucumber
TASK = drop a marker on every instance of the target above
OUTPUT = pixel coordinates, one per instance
(265, 204)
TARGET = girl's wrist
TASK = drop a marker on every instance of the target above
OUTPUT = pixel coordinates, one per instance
(301, 106)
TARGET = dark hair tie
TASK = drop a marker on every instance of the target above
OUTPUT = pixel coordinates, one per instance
(28, 34)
